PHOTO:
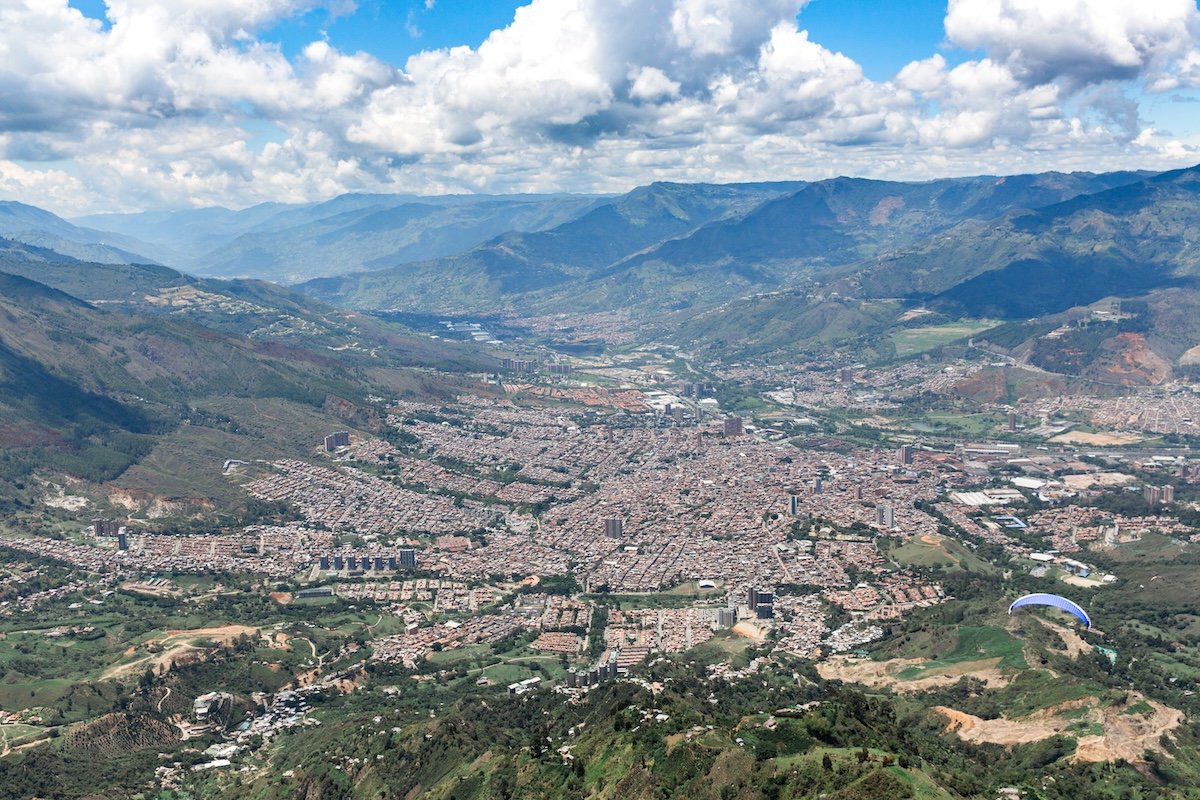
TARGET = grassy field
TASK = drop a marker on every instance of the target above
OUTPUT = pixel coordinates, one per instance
(15, 735)
(912, 341)
(975, 643)
(1033, 689)
(972, 425)
(926, 551)
(922, 786)
(723, 647)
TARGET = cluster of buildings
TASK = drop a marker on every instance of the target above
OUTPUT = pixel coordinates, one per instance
(890, 596)
(1148, 412)
(152, 554)
(828, 385)
(347, 499)
(485, 492)
(418, 643)
(635, 633)
(445, 596)
(27, 601)
(519, 365)
(360, 563)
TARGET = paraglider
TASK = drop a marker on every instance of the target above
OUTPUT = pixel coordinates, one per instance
(1039, 599)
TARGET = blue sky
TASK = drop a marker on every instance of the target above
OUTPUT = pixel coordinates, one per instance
(238, 101)
(881, 35)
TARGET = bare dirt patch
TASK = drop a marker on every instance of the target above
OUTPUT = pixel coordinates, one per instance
(748, 631)
(883, 210)
(1083, 583)
(1126, 736)
(137, 500)
(1080, 482)
(971, 728)
(1074, 643)
(1129, 736)
(180, 649)
(169, 590)
(221, 633)
(913, 314)
(886, 674)
(1191, 357)
(57, 497)
(1098, 439)
(1132, 362)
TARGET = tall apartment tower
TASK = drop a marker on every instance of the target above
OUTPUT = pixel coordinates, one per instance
(794, 505)
(1012, 422)
(733, 426)
(614, 528)
(885, 515)
(335, 440)
(906, 454)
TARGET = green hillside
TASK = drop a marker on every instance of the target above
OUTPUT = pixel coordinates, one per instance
(92, 390)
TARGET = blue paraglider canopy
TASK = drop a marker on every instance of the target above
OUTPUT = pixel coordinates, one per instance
(1054, 600)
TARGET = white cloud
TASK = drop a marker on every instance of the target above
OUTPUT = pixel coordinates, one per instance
(185, 103)
(651, 83)
(726, 27)
(1082, 41)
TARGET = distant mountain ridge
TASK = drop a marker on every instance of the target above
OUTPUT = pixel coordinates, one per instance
(516, 264)
(678, 245)
(289, 243)
(752, 267)
(1136, 243)
(36, 226)
(1122, 240)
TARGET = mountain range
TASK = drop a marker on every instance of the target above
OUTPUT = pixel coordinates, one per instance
(291, 243)
(670, 246)
(747, 268)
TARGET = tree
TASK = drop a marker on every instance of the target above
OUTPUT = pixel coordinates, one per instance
(826, 762)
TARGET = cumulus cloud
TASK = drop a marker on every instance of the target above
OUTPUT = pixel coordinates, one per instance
(188, 103)
(1083, 41)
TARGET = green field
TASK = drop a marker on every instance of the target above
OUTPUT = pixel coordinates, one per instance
(959, 424)
(934, 550)
(912, 341)
(921, 785)
(1034, 689)
(975, 643)
(724, 646)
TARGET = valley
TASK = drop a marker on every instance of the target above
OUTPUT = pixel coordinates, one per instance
(545, 530)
